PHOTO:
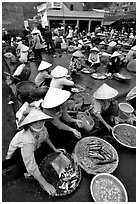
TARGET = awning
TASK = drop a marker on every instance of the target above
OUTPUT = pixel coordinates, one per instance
(108, 22)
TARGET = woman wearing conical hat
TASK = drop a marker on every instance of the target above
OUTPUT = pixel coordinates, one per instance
(75, 64)
(60, 78)
(94, 58)
(114, 64)
(103, 106)
(28, 147)
(43, 77)
(62, 126)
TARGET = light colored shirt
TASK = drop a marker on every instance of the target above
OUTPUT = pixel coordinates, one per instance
(60, 82)
(36, 42)
(41, 77)
(99, 106)
(131, 55)
(94, 58)
(29, 143)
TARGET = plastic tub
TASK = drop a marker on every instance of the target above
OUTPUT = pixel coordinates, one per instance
(125, 110)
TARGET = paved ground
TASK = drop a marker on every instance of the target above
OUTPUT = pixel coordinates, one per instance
(21, 190)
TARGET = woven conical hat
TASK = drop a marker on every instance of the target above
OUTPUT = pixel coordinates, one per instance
(133, 48)
(116, 54)
(44, 65)
(105, 92)
(55, 97)
(95, 49)
(112, 44)
(59, 71)
(77, 54)
(102, 43)
(33, 116)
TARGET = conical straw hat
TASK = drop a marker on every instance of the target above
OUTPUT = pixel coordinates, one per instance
(112, 44)
(95, 49)
(59, 72)
(133, 48)
(102, 43)
(44, 65)
(33, 116)
(106, 54)
(55, 97)
(105, 92)
(115, 54)
(77, 54)
(24, 48)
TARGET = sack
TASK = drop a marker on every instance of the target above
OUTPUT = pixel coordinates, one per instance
(86, 123)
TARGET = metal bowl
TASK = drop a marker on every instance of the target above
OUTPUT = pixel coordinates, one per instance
(25, 87)
(39, 92)
(125, 78)
(105, 187)
(124, 137)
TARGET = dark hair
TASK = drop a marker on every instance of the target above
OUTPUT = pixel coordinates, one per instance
(26, 127)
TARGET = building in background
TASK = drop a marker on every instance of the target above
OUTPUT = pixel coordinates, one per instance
(12, 17)
(58, 14)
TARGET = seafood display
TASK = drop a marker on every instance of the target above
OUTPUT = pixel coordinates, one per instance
(61, 171)
(125, 134)
(95, 155)
(107, 188)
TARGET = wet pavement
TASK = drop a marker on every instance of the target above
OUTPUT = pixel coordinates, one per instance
(16, 189)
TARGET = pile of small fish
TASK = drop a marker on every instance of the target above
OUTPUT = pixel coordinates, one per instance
(97, 151)
(68, 179)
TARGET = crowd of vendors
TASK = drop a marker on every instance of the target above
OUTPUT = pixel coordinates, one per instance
(105, 51)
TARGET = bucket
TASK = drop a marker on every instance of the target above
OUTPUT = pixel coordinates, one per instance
(64, 46)
(125, 110)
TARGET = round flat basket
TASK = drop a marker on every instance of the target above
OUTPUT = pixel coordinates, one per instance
(86, 71)
(98, 76)
(95, 155)
(122, 78)
(25, 87)
(125, 134)
(65, 181)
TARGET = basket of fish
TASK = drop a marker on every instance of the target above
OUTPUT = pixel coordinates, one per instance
(95, 155)
(62, 172)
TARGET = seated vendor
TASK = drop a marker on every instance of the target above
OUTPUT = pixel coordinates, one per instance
(59, 78)
(131, 55)
(60, 130)
(102, 46)
(28, 147)
(103, 107)
(43, 77)
(94, 58)
(114, 64)
(75, 64)
(111, 47)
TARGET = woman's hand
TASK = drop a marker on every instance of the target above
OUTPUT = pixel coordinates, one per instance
(60, 150)
(109, 127)
(50, 189)
(76, 133)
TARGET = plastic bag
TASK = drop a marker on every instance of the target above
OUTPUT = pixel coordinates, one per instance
(86, 122)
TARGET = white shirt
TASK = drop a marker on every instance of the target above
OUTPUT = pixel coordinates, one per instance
(41, 77)
(29, 143)
(60, 82)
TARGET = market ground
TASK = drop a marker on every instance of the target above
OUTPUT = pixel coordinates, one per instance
(16, 189)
